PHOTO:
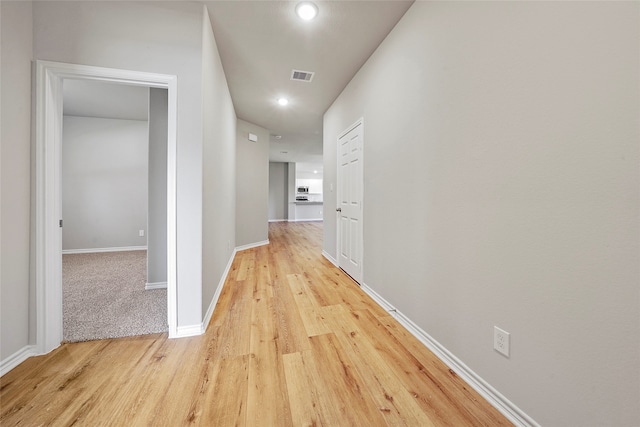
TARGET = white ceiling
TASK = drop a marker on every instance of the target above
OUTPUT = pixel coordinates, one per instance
(260, 42)
(310, 168)
(88, 98)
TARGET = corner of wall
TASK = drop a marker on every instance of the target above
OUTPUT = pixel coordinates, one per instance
(219, 169)
(17, 358)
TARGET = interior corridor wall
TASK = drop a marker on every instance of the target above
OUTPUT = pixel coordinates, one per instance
(15, 177)
(156, 37)
(219, 172)
(157, 211)
(252, 180)
(278, 191)
(502, 187)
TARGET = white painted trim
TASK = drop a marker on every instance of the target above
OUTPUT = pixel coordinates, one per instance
(188, 331)
(331, 259)
(493, 396)
(172, 205)
(99, 250)
(48, 237)
(378, 299)
(193, 330)
(307, 220)
(216, 296)
(47, 204)
(278, 220)
(155, 285)
(17, 358)
(251, 245)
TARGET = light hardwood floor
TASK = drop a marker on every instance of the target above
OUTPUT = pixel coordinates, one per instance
(293, 342)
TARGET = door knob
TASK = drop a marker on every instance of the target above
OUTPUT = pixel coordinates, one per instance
(339, 210)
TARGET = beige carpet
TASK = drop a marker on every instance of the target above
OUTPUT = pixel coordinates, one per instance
(104, 297)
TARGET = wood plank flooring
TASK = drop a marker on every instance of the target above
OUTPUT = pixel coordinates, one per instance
(293, 342)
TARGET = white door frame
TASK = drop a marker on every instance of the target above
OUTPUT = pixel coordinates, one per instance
(359, 122)
(48, 204)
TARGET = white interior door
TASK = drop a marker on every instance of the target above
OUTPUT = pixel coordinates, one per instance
(350, 201)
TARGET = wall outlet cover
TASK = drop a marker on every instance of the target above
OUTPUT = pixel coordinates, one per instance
(501, 341)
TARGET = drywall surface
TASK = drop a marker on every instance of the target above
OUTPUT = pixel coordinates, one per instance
(502, 188)
(157, 202)
(291, 190)
(252, 180)
(278, 191)
(156, 37)
(15, 175)
(219, 171)
(104, 183)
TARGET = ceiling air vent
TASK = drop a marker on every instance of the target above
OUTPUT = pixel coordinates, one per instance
(302, 76)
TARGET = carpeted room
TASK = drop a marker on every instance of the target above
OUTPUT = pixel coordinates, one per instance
(114, 211)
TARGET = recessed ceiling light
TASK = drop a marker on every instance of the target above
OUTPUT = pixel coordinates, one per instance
(283, 101)
(307, 10)
(315, 171)
(278, 136)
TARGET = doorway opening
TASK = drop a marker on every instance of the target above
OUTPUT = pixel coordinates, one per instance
(48, 187)
(113, 169)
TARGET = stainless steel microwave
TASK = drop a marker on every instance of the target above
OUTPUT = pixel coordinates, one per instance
(303, 190)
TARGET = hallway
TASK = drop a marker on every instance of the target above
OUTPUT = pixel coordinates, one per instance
(293, 341)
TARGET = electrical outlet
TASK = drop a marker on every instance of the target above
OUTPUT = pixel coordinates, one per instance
(141, 233)
(501, 340)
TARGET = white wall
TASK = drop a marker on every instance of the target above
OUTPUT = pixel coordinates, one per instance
(291, 190)
(278, 191)
(104, 182)
(157, 211)
(15, 175)
(252, 178)
(502, 188)
(158, 37)
(309, 175)
(219, 174)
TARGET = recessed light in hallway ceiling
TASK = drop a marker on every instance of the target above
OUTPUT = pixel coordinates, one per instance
(307, 10)
(283, 101)
(262, 42)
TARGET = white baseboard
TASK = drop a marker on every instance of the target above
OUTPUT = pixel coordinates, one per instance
(193, 330)
(494, 397)
(251, 245)
(189, 331)
(331, 259)
(17, 358)
(156, 285)
(97, 250)
(306, 220)
(216, 296)
(278, 220)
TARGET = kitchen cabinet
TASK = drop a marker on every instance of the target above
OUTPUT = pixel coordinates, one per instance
(308, 211)
(315, 185)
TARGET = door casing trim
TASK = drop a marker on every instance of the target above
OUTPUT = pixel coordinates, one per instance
(46, 263)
